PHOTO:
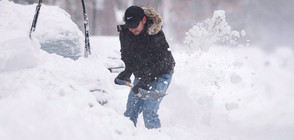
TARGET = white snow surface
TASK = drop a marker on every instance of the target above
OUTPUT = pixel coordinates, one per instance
(221, 93)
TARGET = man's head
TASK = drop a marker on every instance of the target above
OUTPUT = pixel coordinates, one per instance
(135, 19)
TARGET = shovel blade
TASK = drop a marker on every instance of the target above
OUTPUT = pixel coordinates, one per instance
(150, 95)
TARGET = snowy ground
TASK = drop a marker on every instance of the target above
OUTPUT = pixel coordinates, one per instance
(217, 93)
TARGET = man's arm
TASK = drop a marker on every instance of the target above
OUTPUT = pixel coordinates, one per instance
(126, 74)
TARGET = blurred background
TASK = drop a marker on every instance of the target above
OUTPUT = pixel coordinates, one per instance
(268, 23)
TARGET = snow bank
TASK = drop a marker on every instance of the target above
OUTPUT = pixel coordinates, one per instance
(18, 53)
(46, 96)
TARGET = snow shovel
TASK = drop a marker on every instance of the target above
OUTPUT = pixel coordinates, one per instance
(144, 94)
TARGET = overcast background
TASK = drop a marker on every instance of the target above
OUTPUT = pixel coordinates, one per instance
(268, 23)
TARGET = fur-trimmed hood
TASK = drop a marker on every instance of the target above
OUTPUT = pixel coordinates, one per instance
(156, 20)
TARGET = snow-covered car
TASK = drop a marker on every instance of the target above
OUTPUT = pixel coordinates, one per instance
(58, 34)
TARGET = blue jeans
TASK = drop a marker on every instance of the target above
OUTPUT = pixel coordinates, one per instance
(136, 105)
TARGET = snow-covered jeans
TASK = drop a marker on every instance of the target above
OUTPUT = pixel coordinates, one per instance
(136, 105)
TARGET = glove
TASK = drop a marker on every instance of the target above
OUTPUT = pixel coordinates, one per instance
(123, 76)
(139, 85)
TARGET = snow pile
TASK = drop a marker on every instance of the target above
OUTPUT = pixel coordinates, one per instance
(213, 31)
(18, 53)
(46, 96)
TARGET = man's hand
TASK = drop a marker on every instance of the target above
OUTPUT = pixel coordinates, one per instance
(139, 85)
(136, 89)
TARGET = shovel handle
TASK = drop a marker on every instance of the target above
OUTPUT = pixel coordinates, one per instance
(129, 84)
(122, 82)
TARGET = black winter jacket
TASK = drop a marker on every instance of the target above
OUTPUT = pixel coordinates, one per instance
(146, 56)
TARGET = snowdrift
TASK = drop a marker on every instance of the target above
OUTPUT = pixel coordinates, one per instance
(46, 96)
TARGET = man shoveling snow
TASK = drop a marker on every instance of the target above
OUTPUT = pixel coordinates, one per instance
(146, 54)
